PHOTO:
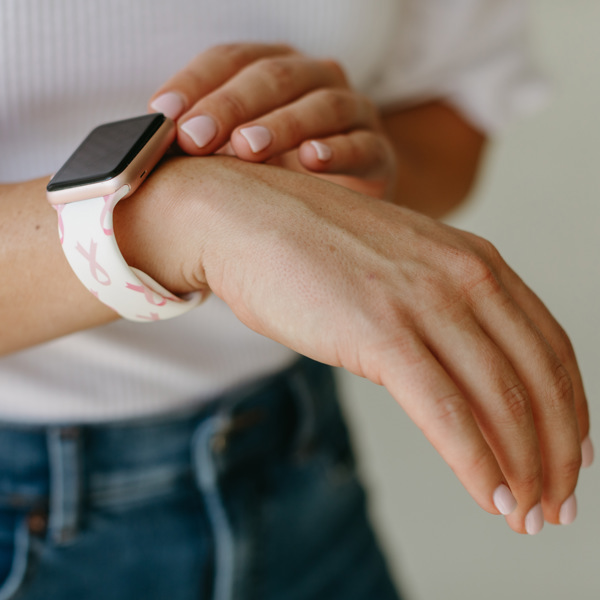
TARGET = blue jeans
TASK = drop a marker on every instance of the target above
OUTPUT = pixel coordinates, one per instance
(253, 497)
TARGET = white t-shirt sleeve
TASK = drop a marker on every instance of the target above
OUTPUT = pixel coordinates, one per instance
(474, 53)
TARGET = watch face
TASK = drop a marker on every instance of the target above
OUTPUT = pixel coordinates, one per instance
(106, 152)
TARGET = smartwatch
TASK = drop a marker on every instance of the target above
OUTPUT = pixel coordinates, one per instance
(109, 165)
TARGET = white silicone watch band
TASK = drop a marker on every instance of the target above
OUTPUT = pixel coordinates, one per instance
(88, 241)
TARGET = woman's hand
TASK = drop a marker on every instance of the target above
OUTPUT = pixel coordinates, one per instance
(270, 103)
(431, 312)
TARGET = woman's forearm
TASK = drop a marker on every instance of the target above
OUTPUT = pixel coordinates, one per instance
(40, 297)
(160, 230)
(438, 156)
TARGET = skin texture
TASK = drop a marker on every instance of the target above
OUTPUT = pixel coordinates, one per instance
(432, 313)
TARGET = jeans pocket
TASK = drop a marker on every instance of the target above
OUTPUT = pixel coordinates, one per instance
(16, 551)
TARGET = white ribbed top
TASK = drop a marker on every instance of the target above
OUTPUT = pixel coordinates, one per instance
(67, 65)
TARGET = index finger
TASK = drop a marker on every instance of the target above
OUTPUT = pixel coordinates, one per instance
(206, 72)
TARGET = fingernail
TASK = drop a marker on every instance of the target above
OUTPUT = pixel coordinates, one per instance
(258, 137)
(201, 129)
(568, 511)
(323, 151)
(587, 452)
(503, 500)
(170, 104)
(534, 521)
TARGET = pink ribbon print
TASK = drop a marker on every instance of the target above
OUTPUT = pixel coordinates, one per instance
(128, 291)
(110, 202)
(95, 268)
(148, 293)
(152, 317)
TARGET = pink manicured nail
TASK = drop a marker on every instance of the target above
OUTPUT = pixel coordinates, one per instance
(534, 521)
(258, 137)
(323, 151)
(201, 129)
(587, 452)
(503, 500)
(170, 104)
(568, 511)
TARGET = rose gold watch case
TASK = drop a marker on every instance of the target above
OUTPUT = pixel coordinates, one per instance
(133, 175)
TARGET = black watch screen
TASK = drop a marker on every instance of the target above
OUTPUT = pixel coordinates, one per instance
(106, 152)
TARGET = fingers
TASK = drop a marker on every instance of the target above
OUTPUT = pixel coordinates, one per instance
(557, 509)
(560, 343)
(206, 72)
(498, 400)
(259, 91)
(551, 395)
(498, 361)
(263, 101)
(255, 90)
(431, 399)
(321, 113)
(361, 153)
(549, 387)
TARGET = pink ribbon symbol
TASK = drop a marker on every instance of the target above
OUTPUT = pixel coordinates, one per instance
(152, 317)
(150, 296)
(109, 205)
(95, 268)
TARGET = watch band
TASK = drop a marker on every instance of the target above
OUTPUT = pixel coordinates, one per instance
(88, 241)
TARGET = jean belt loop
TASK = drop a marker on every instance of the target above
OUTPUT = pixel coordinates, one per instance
(66, 471)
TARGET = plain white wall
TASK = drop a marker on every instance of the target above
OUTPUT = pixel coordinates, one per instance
(539, 203)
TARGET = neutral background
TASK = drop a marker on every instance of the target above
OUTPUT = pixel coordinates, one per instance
(539, 203)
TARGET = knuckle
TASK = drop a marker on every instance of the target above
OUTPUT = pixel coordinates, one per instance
(233, 106)
(479, 277)
(338, 71)
(479, 462)
(570, 468)
(190, 77)
(235, 54)
(487, 250)
(290, 123)
(278, 74)
(515, 399)
(560, 394)
(391, 318)
(451, 410)
(529, 482)
(341, 105)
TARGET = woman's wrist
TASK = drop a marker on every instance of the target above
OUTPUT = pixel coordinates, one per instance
(159, 229)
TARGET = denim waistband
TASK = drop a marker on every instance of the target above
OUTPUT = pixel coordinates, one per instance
(54, 470)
